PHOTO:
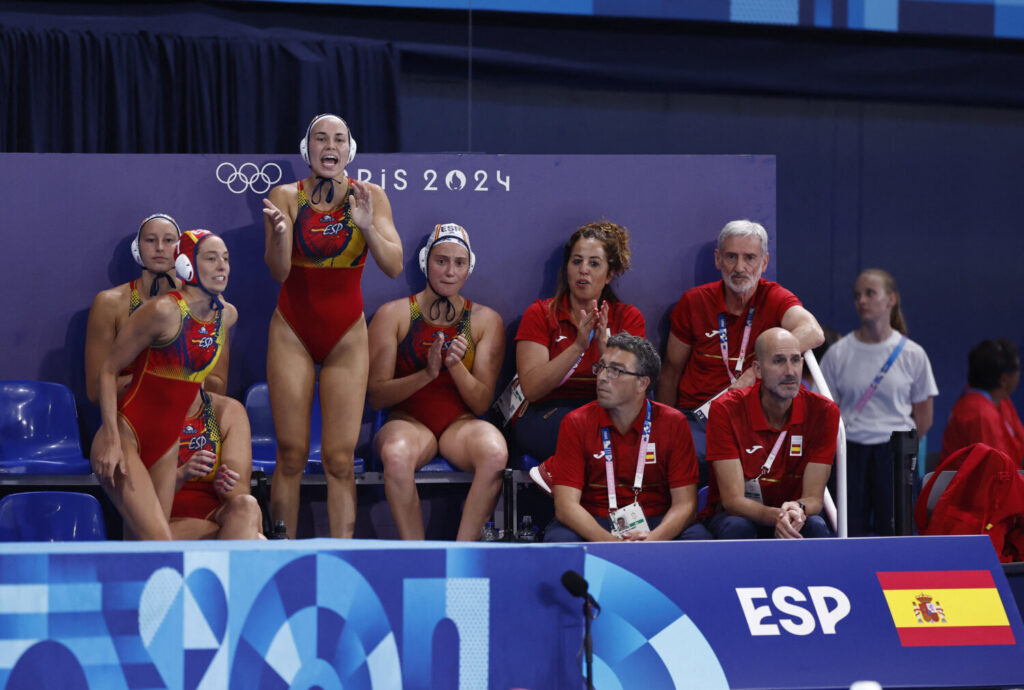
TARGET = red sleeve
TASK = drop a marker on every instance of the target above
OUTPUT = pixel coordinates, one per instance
(990, 430)
(534, 325)
(679, 320)
(566, 465)
(823, 450)
(781, 300)
(721, 441)
(630, 320)
(683, 466)
(1010, 416)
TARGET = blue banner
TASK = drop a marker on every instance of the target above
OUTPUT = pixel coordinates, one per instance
(925, 612)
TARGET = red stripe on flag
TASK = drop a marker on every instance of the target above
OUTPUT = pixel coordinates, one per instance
(937, 579)
(946, 636)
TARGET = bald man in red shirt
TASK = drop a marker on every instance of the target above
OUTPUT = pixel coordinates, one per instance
(771, 448)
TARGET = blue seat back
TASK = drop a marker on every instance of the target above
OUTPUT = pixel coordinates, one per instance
(51, 516)
(261, 423)
(39, 429)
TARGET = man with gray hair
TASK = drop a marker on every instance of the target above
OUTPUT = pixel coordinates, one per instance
(713, 327)
(624, 467)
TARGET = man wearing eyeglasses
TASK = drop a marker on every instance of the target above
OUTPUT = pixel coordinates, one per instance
(624, 466)
(770, 447)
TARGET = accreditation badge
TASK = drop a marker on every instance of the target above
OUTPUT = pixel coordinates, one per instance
(752, 490)
(629, 519)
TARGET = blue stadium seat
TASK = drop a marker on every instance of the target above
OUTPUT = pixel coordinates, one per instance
(51, 516)
(264, 440)
(39, 430)
(523, 461)
(702, 498)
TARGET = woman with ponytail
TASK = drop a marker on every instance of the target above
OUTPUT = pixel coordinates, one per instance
(883, 383)
(561, 337)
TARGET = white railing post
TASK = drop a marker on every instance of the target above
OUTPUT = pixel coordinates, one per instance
(836, 514)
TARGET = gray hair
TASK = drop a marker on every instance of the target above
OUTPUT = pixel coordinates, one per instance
(647, 360)
(743, 228)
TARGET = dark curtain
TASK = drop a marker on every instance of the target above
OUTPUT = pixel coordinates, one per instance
(75, 91)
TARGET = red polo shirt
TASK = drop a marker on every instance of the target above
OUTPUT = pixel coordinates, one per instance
(558, 332)
(694, 321)
(976, 419)
(737, 428)
(579, 458)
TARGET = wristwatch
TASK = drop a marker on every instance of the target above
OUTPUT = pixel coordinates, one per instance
(802, 507)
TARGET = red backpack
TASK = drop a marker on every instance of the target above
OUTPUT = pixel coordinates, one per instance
(985, 496)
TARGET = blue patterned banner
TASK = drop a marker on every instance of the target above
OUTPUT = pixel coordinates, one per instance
(332, 614)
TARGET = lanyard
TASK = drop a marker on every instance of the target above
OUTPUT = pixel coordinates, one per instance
(881, 374)
(723, 341)
(767, 466)
(580, 359)
(641, 457)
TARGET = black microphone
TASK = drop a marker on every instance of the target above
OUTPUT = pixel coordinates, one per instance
(577, 586)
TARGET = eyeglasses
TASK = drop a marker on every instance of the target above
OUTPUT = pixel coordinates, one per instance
(613, 371)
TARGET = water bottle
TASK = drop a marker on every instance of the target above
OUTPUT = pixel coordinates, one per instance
(279, 531)
(489, 532)
(527, 532)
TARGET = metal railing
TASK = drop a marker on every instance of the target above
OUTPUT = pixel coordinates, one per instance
(836, 514)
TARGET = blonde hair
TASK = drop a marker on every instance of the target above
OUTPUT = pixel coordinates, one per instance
(896, 319)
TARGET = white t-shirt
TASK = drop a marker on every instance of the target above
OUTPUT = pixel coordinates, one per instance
(849, 367)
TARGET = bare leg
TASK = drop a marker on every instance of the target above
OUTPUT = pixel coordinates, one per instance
(239, 517)
(189, 529)
(404, 446)
(342, 393)
(476, 446)
(134, 495)
(291, 378)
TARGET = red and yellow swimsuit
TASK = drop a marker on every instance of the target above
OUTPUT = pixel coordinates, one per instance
(166, 380)
(322, 296)
(439, 403)
(197, 498)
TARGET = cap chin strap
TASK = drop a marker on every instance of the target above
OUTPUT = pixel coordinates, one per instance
(215, 302)
(155, 287)
(435, 307)
(319, 188)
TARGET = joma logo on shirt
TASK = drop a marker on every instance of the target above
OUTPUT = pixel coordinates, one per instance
(748, 451)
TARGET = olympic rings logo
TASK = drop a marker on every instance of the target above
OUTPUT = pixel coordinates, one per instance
(248, 176)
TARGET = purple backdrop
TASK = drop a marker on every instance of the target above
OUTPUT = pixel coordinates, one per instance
(68, 220)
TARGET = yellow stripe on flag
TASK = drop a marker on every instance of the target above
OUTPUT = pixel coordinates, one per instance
(961, 607)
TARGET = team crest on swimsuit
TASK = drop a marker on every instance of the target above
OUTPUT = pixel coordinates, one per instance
(437, 334)
(332, 229)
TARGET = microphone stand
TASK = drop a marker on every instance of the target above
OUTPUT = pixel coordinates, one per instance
(588, 642)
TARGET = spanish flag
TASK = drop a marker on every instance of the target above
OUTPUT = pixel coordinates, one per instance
(946, 607)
